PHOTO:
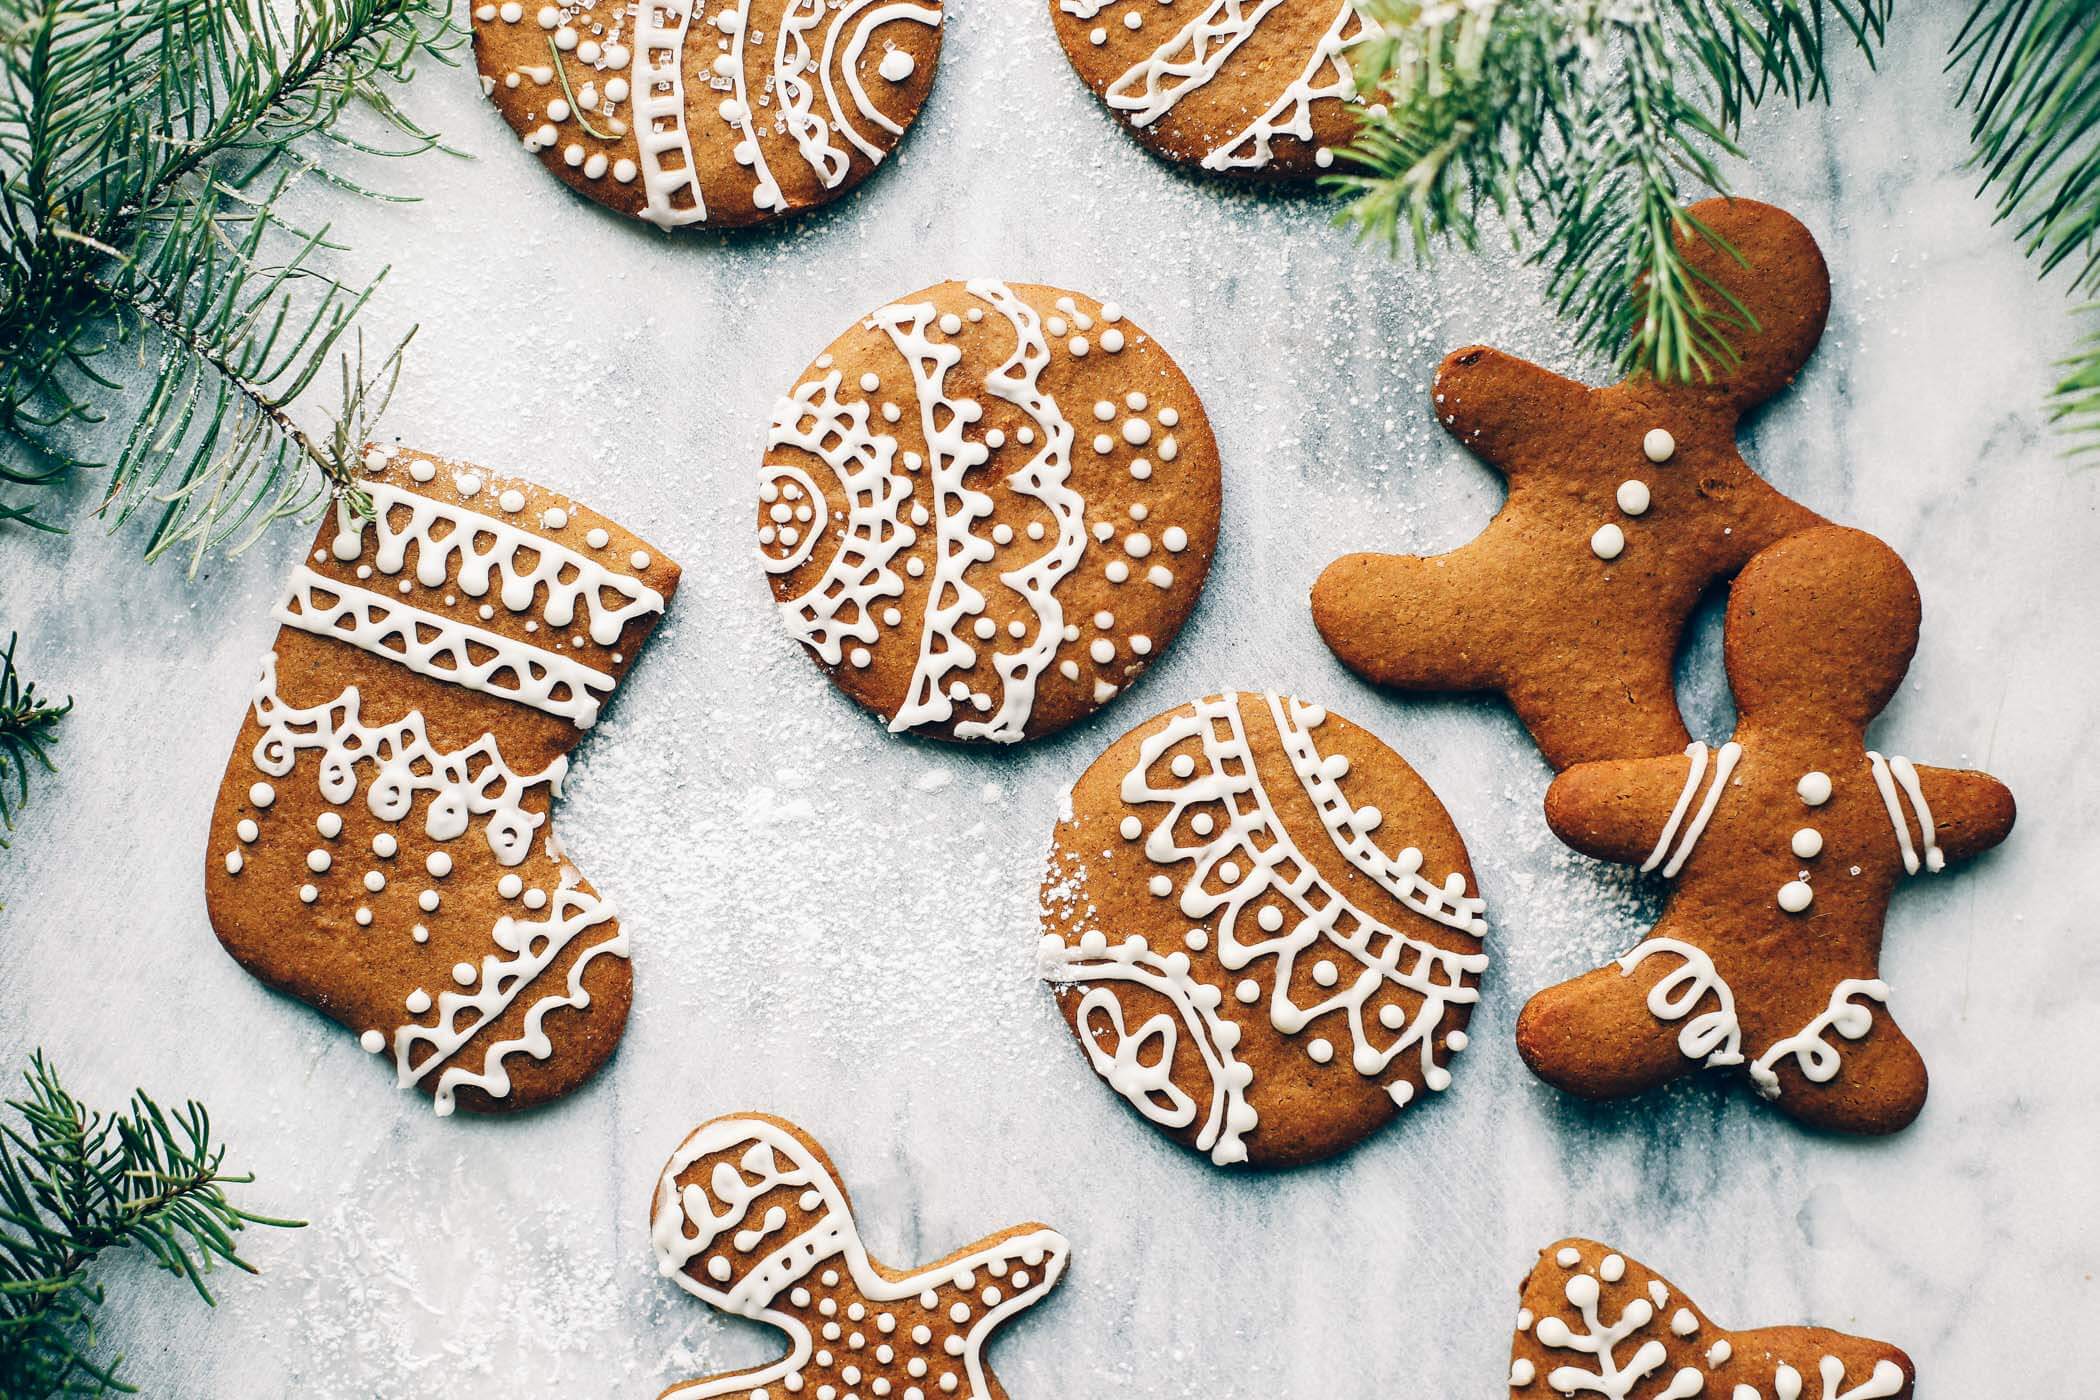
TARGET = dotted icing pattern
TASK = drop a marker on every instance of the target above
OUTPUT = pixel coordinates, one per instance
(694, 111)
(749, 1218)
(987, 509)
(531, 609)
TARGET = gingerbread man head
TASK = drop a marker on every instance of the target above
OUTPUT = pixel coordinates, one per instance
(1625, 504)
(1783, 847)
(750, 1217)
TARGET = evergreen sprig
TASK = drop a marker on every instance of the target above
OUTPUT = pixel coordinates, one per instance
(2031, 74)
(75, 1184)
(1582, 125)
(162, 308)
(27, 726)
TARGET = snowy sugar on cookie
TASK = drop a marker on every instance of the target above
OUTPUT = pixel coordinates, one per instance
(1255, 89)
(1625, 505)
(1593, 1322)
(382, 846)
(749, 1217)
(1783, 847)
(709, 112)
(1262, 928)
(987, 508)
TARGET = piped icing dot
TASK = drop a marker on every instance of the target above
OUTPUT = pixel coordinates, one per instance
(1608, 543)
(1658, 445)
(1633, 497)
(1814, 788)
(1795, 896)
(373, 1041)
(1807, 843)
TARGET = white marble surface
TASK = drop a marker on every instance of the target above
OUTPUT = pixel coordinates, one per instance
(837, 926)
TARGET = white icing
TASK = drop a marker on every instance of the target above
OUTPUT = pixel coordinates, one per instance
(1896, 772)
(1658, 446)
(472, 782)
(1714, 1036)
(1723, 764)
(722, 1217)
(437, 646)
(1149, 89)
(1291, 113)
(956, 506)
(1019, 382)
(1816, 1058)
(531, 947)
(1249, 860)
(671, 188)
(846, 12)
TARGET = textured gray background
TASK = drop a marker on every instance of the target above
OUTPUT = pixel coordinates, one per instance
(836, 925)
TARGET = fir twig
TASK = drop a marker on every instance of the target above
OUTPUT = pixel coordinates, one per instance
(1584, 126)
(75, 1184)
(2031, 73)
(162, 312)
(27, 727)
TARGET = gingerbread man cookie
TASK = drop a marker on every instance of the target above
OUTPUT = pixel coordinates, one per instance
(1625, 504)
(1262, 928)
(381, 847)
(1784, 846)
(1593, 1322)
(987, 508)
(708, 112)
(749, 1216)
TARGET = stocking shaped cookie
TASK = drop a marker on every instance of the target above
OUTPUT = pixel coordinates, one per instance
(1593, 1322)
(750, 1217)
(381, 847)
(1625, 504)
(1783, 847)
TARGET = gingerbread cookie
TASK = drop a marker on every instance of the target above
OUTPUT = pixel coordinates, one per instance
(723, 112)
(381, 848)
(986, 509)
(1783, 846)
(1257, 89)
(1625, 505)
(1256, 919)
(1593, 1322)
(750, 1217)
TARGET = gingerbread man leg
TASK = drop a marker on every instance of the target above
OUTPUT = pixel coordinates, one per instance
(1597, 1036)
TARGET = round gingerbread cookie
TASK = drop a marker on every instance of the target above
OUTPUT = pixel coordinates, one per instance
(1262, 927)
(1257, 89)
(723, 112)
(987, 508)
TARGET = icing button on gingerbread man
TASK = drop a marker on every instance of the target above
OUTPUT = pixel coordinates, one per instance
(1593, 1321)
(1625, 504)
(1784, 846)
(750, 1217)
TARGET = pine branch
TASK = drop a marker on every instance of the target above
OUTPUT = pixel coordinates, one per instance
(75, 1185)
(2031, 73)
(1584, 128)
(163, 316)
(27, 727)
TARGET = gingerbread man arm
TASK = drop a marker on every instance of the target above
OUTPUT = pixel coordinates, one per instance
(1971, 812)
(1622, 809)
(1508, 411)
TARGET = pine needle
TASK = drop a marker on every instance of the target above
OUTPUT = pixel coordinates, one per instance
(2031, 75)
(75, 1185)
(1584, 128)
(27, 727)
(162, 312)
